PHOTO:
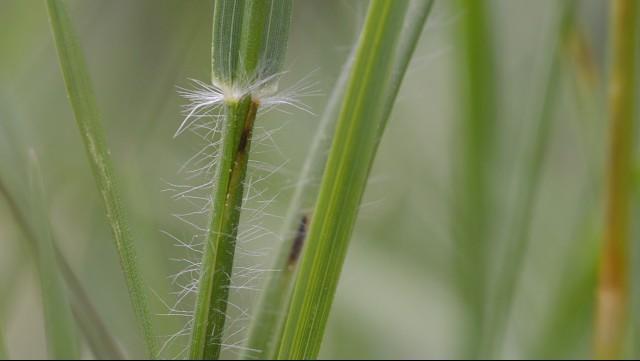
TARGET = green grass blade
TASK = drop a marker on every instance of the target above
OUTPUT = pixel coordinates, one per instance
(511, 264)
(4, 355)
(61, 337)
(227, 27)
(267, 324)
(368, 101)
(567, 324)
(612, 305)
(240, 56)
(476, 134)
(88, 120)
(101, 342)
(240, 59)
(274, 46)
(254, 21)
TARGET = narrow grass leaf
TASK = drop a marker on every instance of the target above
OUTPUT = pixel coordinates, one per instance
(227, 26)
(84, 106)
(476, 134)
(101, 342)
(4, 355)
(93, 328)
(512, 260)
(60, 332)
(364, 112)
(266, 328)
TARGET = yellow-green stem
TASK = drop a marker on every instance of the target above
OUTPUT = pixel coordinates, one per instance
(613, 289)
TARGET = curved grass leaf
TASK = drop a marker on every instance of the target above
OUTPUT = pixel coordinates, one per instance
(88, 120)
(59, 329)
(4, 355)
(368, 100)
(267, 325)
(101, 342)
(512, 262)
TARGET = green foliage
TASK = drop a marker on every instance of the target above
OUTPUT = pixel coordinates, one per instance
(241, 57)
(61, 335)
(476, 134)
(85, 109)
(474, 221)
(512, 260)
(364, 112)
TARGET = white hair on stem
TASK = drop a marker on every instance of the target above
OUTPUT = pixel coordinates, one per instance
(203, 117)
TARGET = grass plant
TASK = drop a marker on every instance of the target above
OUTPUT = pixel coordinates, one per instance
(463, 249)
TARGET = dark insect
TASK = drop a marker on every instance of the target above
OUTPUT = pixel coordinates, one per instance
(298, 241)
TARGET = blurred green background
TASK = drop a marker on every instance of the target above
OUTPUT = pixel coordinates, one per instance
(396, 297)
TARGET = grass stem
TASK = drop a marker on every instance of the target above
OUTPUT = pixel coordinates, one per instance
(613, 286)
(241, 55)
(217, 264)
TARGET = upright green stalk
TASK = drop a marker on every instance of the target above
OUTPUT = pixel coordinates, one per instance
(84, 106)
(476, 134)
(511, 264)
(271, 313)
(369, 97)
(217, 263)
(613, 288)
(240, 58)
(61, 336)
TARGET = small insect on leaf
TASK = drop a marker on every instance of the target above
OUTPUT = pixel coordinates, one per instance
(298, 241)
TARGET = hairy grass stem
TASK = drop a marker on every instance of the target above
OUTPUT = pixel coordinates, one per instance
(243, 62)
